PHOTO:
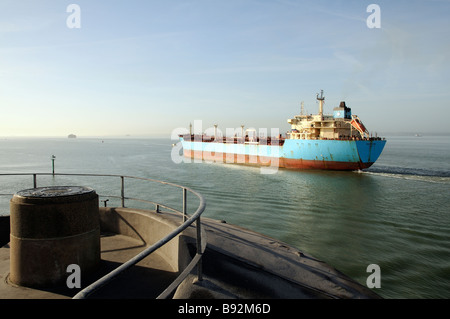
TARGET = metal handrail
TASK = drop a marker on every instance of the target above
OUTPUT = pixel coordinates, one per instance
(201, 244)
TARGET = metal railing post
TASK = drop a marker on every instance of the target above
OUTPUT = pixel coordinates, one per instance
(199, 249)
(34, 181)
(184, 205)
(122, 191)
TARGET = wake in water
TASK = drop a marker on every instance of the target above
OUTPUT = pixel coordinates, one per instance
(427, 175)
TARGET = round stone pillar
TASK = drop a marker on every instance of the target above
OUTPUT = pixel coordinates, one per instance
(52, 228)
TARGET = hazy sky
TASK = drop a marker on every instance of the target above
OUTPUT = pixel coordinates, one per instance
(149, 67)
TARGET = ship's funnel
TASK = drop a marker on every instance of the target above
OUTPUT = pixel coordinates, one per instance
(321, 100)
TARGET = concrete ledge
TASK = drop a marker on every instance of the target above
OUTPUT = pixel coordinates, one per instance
(237, 263)
(149, 227)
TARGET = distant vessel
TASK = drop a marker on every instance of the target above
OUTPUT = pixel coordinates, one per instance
(331, 142)
(72, 136)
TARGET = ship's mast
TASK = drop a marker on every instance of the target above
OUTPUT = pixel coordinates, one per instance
(321, 100)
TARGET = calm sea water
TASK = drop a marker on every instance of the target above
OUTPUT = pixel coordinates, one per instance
(395, 215)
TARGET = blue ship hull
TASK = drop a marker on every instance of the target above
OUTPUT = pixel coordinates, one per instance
(291, 153)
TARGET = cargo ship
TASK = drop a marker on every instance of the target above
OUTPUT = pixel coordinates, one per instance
(328, 142)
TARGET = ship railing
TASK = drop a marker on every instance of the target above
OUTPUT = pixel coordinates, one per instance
(188, 220)
(267, 140)
(302, 136)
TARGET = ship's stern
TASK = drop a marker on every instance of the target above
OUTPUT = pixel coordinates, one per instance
(369, 151)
